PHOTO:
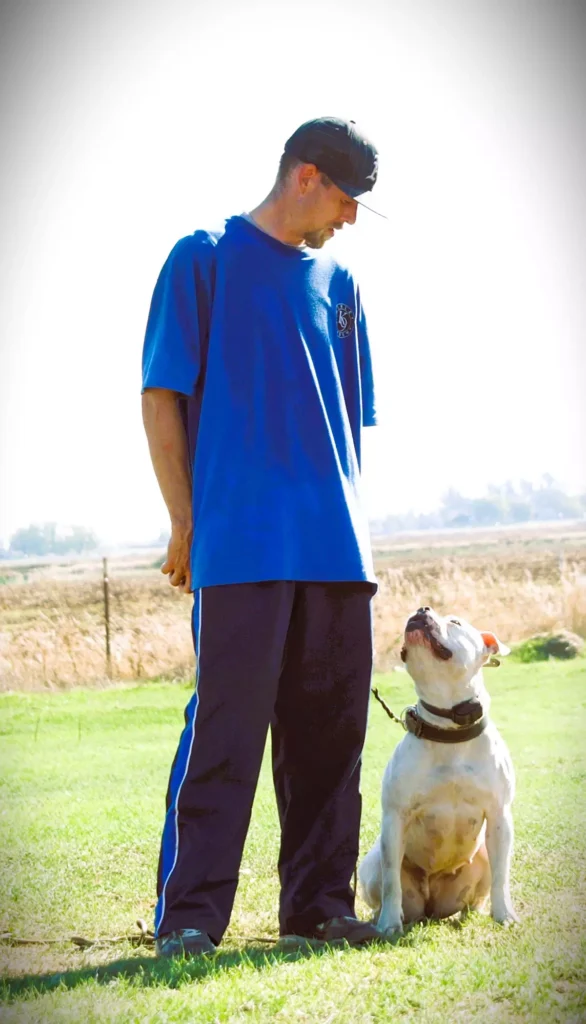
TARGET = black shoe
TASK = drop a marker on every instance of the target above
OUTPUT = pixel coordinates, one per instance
(186, 942)
(334, 932)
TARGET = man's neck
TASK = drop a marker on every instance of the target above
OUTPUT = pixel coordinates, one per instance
(274, 216)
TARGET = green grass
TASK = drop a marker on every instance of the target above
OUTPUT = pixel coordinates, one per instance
(84, 776)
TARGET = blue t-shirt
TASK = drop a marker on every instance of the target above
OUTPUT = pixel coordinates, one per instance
(268, 343)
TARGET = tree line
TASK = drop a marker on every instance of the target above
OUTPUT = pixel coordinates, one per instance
(47, 539)
(503, 505)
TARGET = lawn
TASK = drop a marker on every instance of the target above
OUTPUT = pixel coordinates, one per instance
(83, 781)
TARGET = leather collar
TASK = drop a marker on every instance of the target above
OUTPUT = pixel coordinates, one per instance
(415, 724)
(465, 713)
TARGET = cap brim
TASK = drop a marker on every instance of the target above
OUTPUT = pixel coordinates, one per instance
(372, 209)
(359, 197)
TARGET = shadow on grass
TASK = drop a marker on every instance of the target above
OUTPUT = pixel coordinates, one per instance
(150, 972)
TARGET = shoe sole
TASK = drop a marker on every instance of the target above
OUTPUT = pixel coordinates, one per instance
(292, 942)
(184, 954)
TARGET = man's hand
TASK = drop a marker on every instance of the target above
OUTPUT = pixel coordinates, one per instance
(177, 564)
(168, 447)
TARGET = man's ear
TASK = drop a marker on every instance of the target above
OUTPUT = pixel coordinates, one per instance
(307, 177)
(494, 646)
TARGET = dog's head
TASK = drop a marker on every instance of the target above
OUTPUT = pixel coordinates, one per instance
(446, 648)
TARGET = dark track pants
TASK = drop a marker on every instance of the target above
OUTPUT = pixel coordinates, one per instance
(297, 656)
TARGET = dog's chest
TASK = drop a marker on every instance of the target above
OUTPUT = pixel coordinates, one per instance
(444, 825)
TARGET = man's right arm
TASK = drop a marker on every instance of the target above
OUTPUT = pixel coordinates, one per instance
(178, 323)
(167, 442)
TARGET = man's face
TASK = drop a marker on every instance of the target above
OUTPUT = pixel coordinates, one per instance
(327, 209)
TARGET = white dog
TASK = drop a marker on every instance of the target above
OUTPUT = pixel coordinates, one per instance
(447, 829)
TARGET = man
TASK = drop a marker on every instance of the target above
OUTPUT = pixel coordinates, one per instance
(256, 383)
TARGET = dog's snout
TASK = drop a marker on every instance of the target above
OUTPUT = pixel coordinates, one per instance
(422, 619)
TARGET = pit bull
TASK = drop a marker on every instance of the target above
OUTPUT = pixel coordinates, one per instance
(447, 830)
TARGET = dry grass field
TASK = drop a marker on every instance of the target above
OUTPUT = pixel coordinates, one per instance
(52, 616)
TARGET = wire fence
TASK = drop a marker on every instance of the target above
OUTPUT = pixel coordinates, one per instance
(105, 622)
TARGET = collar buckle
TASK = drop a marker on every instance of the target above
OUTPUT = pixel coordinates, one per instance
(412, 722)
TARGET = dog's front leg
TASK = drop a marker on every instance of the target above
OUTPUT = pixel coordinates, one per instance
(499, 843)
(390, 921)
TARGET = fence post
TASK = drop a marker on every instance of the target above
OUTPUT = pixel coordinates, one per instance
(107, 617)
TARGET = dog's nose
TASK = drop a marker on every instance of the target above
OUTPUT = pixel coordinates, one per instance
(421, 611)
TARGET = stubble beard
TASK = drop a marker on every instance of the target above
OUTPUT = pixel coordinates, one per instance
(316, 239)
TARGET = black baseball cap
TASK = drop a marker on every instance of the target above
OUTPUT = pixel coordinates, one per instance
(339, 149)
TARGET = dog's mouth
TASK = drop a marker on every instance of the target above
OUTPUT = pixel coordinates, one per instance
(421, 631)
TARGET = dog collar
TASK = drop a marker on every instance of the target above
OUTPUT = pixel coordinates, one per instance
(465, 713)
(415, 724)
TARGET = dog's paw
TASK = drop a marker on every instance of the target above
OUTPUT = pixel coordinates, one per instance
(506, 917)
(391, 931)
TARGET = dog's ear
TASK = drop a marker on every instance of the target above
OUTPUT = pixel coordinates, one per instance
(494, 646)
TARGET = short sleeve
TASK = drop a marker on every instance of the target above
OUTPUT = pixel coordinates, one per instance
(172, 346)
(369, 417)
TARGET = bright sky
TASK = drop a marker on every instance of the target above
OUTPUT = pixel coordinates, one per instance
(130, 125)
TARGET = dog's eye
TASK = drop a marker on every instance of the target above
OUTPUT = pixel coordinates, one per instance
(456, 622)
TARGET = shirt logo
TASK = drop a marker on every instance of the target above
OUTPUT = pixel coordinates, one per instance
(344, 320)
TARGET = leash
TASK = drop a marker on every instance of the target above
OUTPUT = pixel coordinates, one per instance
(145, 937)
(386, 707)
